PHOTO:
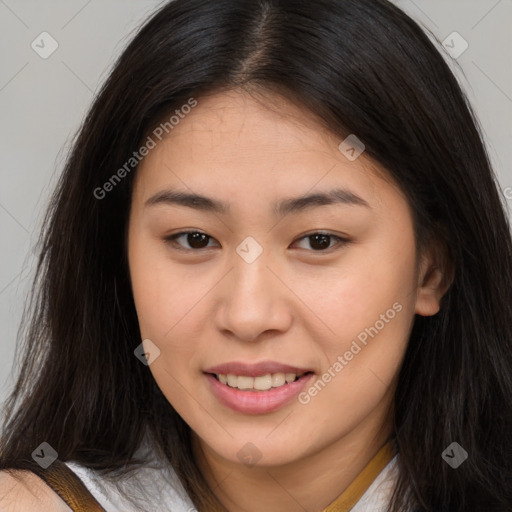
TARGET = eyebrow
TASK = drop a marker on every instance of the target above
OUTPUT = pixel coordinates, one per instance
(281, 208)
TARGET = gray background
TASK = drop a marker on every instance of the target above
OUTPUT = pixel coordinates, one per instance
(43, 101)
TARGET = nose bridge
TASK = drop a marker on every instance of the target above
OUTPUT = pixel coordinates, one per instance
(251, 275)
(253, 302)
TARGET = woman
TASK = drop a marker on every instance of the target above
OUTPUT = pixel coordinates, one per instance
(275, 275)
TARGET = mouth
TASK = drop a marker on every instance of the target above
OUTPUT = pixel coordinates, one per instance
(257, 388)
(260, 383)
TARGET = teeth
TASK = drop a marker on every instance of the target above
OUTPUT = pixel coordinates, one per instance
(278, 379)
(261, 383)
(245, 382)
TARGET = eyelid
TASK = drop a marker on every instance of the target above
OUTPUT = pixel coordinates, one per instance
(341, 241)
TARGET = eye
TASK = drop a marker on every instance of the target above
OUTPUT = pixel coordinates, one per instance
(196, 240)
(320, 242)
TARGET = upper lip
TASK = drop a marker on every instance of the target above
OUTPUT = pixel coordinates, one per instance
(255, 369)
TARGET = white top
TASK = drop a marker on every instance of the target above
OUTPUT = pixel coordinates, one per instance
(378, 495)
(155, 487)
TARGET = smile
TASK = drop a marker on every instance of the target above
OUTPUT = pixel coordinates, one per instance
(243, 396)
(261, 383)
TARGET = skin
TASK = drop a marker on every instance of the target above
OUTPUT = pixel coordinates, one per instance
(23, 491)
(293, 304)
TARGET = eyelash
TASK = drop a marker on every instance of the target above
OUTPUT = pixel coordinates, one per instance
(171, 240)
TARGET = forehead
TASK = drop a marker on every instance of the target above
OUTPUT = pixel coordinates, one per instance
(234, 144)
(237, 124)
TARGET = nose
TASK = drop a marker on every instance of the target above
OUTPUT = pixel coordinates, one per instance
(254, 301)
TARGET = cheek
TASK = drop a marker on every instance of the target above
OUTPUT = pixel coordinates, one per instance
(369, 282)
(369, 309)
(161, 300)
(167, 305)
(362, 359)
(165, 301)
(164, 292)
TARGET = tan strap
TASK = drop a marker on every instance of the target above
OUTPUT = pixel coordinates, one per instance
(69, 487)
(360, 484)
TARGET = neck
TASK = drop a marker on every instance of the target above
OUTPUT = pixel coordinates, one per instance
(309, 483)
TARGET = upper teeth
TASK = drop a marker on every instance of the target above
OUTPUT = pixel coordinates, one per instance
(261, 383)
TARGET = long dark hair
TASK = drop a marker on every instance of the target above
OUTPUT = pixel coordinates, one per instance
(363, 67)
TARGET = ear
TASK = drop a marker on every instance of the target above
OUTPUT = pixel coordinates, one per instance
(435, 275)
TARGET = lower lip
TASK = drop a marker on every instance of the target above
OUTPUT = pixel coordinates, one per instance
(257, 402)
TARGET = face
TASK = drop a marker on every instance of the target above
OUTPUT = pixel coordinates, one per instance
(310, 301)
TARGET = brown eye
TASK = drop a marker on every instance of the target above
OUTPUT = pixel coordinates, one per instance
(195, 239)
(321, 242)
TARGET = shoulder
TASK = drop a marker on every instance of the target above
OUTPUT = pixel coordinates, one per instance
(148, 487)
(23, 491)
